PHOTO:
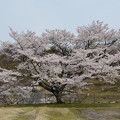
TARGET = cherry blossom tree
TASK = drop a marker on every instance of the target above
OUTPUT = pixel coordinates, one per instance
(12, 81)
(46, 58)
(96, 34)
(57, 58)
(8, 80)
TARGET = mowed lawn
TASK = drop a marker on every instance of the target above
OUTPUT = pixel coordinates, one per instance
(61, 112)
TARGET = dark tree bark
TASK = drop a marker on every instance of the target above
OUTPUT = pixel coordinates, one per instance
(56, 90)
(58, 96)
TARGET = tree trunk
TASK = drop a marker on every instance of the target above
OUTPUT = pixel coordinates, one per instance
(59, 99)
(58, 96)
(56, 90)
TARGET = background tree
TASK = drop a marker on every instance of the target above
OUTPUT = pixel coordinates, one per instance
(95, 35)
(8, 80)
(15, 81)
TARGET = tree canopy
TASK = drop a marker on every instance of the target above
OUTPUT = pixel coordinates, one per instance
(58, 58)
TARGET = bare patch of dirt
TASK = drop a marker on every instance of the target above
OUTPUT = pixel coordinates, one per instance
(99, 114)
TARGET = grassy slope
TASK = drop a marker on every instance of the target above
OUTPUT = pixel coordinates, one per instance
(102, 87)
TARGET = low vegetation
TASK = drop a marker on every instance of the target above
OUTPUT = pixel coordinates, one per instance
(61, 112)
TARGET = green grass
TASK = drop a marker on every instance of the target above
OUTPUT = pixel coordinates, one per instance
(55, 111)
(58, 114)
(65, 105)
(23, 117)
(77, 114)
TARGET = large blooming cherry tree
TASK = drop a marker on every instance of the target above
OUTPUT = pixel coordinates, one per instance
(57, 58)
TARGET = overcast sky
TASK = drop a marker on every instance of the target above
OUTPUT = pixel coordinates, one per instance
(38, 15)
